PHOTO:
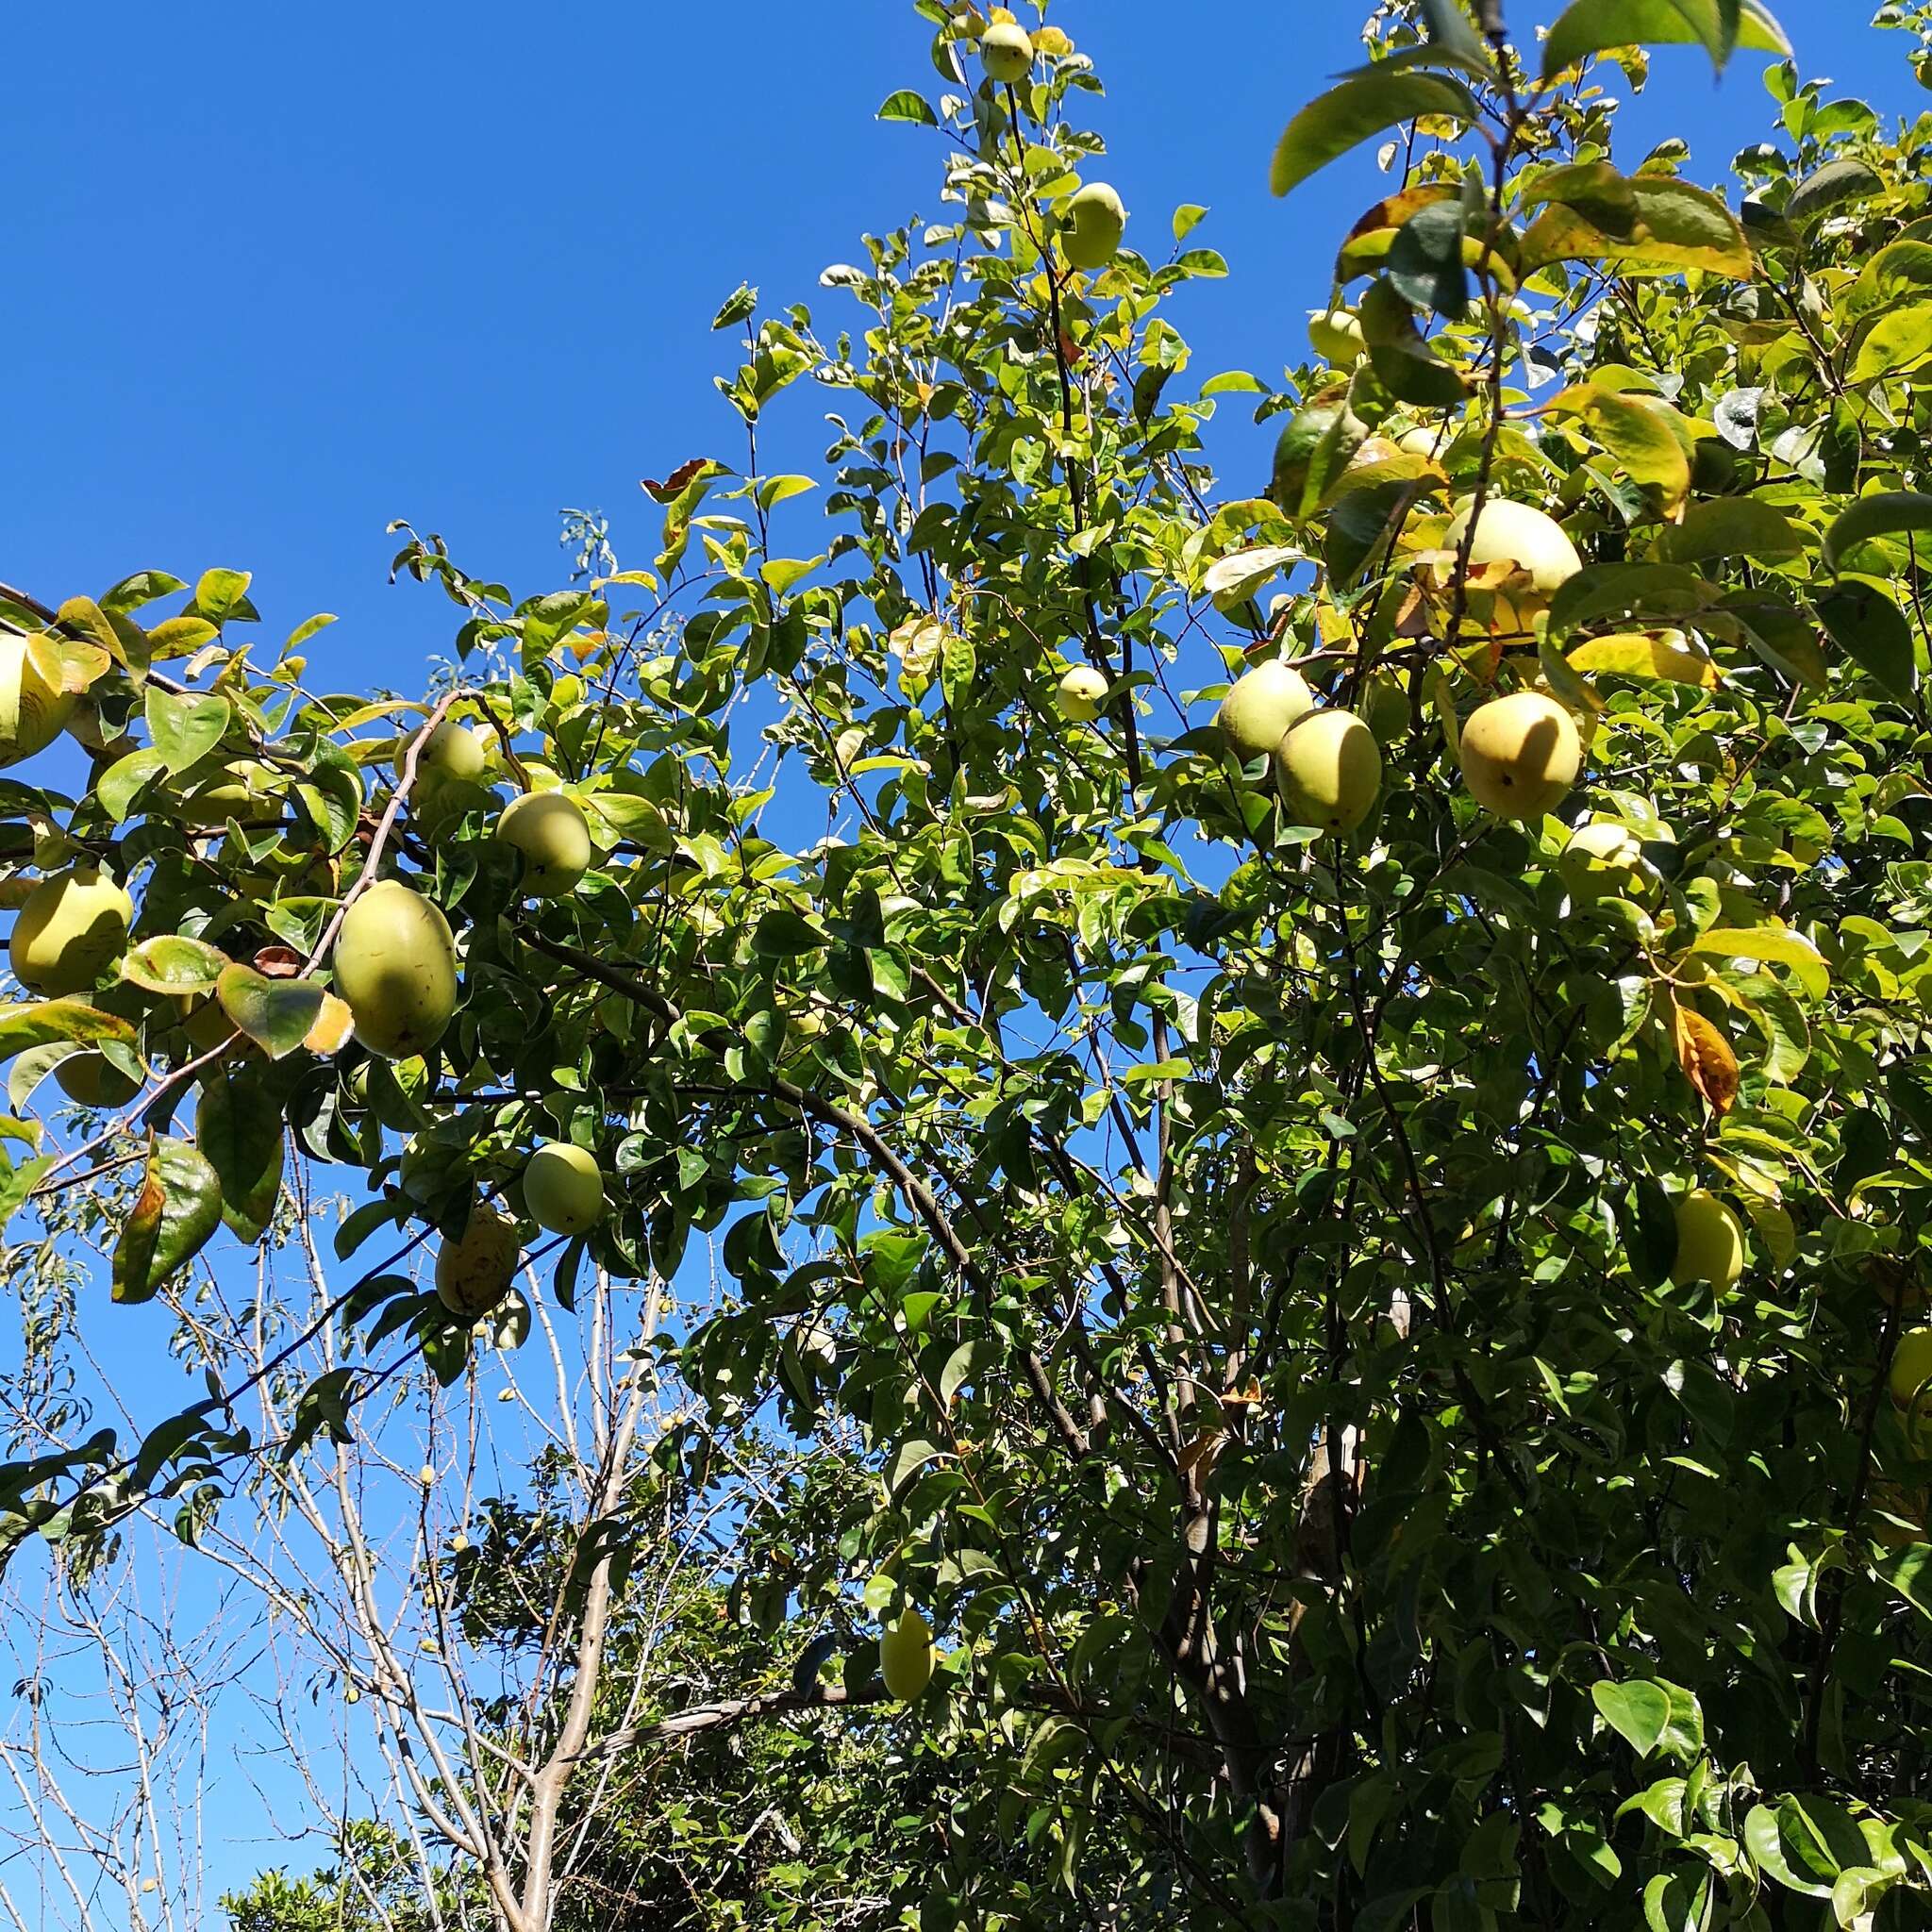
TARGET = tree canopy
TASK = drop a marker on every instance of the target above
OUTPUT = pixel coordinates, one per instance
(1357, 1257)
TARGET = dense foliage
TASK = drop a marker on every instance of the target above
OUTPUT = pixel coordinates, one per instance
(1269, 1285)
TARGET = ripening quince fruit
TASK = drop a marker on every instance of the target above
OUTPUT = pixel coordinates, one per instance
(906, 1657)
(1078, 695)
(32, 711)
(91, 1079)
(1710, 1241)
(1517, 533)
(235, 791)
(1328, 770)
(1005, 51)
(455, 751)
(395, 963)
(1520, 754)
(1095, 221)
(474, 1272)
(1602, 860)
(1912, 1367)
(70, 930)
(1337, 336)
(553, 836)
(1421, 441)
(1260, 706)
(563, 1188)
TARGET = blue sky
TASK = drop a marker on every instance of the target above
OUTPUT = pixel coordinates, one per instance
(278, 274)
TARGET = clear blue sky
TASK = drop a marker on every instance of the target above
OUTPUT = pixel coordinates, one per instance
(278, 274)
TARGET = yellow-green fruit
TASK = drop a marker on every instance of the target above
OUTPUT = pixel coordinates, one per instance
(563, 1188)
(1912, 1367)
(1337, 335)
(1423, 443)
(1260, 707)
(395, 963)
(1710, 1241)
(906, 1657)
(71, 929)
(242, 792)
(95, 1080)
(475, 1272)
(1097, 220)
(1520, 754)
(1519, 534)
(455, 751)
(1005, 51)
(553, 836)
(1602, 860)
(1078, 695)
(31, 711)
(1328, 769)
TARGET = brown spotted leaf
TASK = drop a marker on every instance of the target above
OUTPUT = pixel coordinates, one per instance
(1707, 1059)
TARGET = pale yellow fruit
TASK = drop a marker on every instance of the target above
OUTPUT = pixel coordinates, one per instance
(1520, 754)
(1005, 51)
(1337, 335)
(1260, 707)
(455, 751)
(1520, 534)
(1911, 1368)
(32, 711)
(73, 927)
(395, 963)
(906, 1657)
(553, 836)
(474, 1272)
(563, 1188)
(1328, 769)
(1602, 860)
(1711, 1240)
(1095, 221)
(93, 1080)
(1080, 693)
(1423, 442)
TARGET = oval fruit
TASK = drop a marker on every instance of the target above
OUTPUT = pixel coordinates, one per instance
(455, 751)
(474, 1272)
(1328, 770)
(1337, 335)
(395, 963)
(1710, 1241)
(239, 791)
(1912, 1367)
(1080, 693)
(1520, 534)
(1005, 51)
(553, 836)
(1097, 220)
(32, 711)
(72, 927)
(1520, 754)
(93, 1080)
(1260, 706)
(563, 1188)
(906, 1657)
(1602, 860)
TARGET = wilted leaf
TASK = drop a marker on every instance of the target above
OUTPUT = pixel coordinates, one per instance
(1707, 1059)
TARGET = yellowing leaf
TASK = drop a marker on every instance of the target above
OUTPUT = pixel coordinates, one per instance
(1707, 1059)
(333, 1026)
(1635, 653)
(1770, 943)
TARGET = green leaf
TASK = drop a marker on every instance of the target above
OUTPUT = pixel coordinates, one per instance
(1730, 527)
(1765, 1842)
(177, 1210)
(276, 1014)
(1592, 26)
(1770, 943)
(1671, 226)
(1891, 513)
(1898, 341)
(238, 1127)
(1361, 106)
(17, 1183)
(1638, 1711)
(71, 1021)
(783, 935)
(185, 729)
(224, 593)
(1829, 186)
(172, 964)
(123, 780)
(909, 107)
(1872, 631)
